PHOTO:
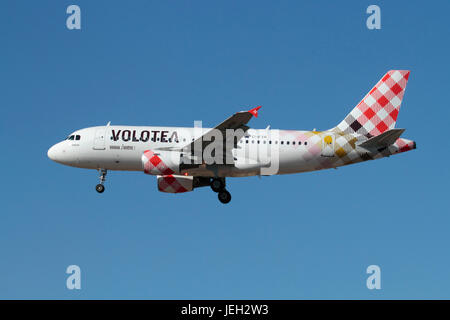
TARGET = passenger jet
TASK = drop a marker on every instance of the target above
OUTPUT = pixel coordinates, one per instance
(184, 159)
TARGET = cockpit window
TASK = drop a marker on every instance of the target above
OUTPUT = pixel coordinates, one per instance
(71, 137)
(77, 137)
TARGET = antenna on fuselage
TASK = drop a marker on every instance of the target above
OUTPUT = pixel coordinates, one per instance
(109, 122)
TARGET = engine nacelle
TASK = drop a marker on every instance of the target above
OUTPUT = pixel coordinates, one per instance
(161, 163)
(175, 184)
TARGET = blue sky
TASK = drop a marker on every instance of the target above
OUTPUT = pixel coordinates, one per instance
(169, 63)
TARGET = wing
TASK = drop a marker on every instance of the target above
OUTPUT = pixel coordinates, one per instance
(237, 121)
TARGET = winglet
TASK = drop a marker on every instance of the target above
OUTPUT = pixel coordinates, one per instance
(254, 111)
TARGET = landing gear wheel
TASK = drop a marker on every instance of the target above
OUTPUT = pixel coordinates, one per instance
(224, 196)
(100, 187)
(217, 185)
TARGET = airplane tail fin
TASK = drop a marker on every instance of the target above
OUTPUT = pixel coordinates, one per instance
(378, 111)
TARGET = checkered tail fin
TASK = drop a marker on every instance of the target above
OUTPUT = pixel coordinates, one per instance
(378, 111)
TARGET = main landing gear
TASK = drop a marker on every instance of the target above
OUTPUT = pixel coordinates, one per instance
(100, 187)
(218, 185)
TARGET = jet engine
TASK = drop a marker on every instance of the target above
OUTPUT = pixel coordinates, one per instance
(175, 183)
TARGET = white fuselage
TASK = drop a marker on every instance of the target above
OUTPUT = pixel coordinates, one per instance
(121, 148)
(278, 151)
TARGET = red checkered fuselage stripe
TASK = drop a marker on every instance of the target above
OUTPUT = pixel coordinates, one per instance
(154, 165)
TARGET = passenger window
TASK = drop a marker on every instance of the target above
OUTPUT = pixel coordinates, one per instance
(246, 141)
(287, 142)
(293, 143)
(305, 143)
(282, 142)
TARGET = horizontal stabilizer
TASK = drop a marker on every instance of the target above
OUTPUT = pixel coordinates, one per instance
(383, 140)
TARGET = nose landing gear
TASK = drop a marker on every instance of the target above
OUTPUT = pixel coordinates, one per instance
(100, 187)
(218, 185)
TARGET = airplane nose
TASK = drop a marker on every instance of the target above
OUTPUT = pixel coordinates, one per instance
(52, 153)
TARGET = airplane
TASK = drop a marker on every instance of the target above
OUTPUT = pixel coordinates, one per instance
(184, 158)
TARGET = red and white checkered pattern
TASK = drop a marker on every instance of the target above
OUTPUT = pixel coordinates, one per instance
(403, 145)
(175, 184)
(154, 165)
(378, 111)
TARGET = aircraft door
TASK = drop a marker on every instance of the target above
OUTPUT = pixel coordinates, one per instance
(263, 148)
(328, 145)
(99, 139)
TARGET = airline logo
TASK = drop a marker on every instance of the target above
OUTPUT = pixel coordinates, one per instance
(144, 135)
